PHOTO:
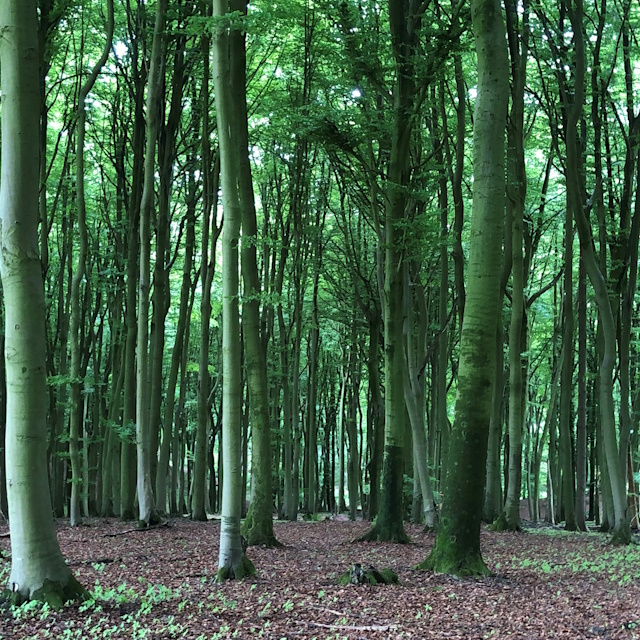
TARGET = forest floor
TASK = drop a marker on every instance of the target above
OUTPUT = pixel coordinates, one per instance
(158, 584)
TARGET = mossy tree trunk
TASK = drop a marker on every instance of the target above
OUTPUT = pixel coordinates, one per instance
(232, 562)
(38, 570)
(457, 547)
(404, 27)
(258, 526)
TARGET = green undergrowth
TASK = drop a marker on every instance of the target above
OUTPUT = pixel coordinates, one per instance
(620, 565)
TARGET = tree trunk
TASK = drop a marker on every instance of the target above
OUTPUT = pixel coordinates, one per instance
(232, 562)
(79, 273)
(146, 505)
(38, 570)
(258, 526)
(457, 547)
(617, 479)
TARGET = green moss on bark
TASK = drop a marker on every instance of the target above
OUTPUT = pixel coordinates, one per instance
(237, 571)
(388, 525)
(446, 557)
(53, 593)
(501, 523)
(258, 529)
(621, 535)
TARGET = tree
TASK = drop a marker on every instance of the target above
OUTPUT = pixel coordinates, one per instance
(146, 504)
(38, 570)
(457, 546)
(232, 563)
(78, 276)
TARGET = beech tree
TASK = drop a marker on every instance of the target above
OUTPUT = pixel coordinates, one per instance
(457, 547)
(232, 563)
(38, 570)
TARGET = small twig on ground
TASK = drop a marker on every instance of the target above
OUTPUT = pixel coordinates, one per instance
(136, 530)
(349, 627)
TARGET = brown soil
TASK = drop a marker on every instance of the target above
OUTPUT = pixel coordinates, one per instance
(159, 584)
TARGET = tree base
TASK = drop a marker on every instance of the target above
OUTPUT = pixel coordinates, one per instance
(621, 535)
(501, 524)
(53, 593)
(259, 533)
(154, 521)
(446, 558)
(237, 571)
(388, 532)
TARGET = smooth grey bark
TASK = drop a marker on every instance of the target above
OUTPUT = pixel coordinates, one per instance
(38, 570)
(232, 561)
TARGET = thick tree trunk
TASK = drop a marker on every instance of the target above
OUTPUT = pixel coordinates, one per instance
(38, 570)
(457, 547)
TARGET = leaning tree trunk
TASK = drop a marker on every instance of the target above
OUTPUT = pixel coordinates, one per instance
(38, 570)
(457, 547)
(232, 562)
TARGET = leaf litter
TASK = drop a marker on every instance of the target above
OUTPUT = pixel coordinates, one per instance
(158, 584)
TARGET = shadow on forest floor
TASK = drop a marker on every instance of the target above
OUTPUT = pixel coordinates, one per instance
(159, 584)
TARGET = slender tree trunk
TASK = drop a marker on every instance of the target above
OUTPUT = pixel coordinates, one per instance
(176, 355)
(232, 562)
(210, 234)
(146, 505)
(606, 320)
(78, 276)
(581, 424)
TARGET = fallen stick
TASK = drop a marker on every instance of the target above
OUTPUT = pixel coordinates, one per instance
(350, 627)
(136, 530)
